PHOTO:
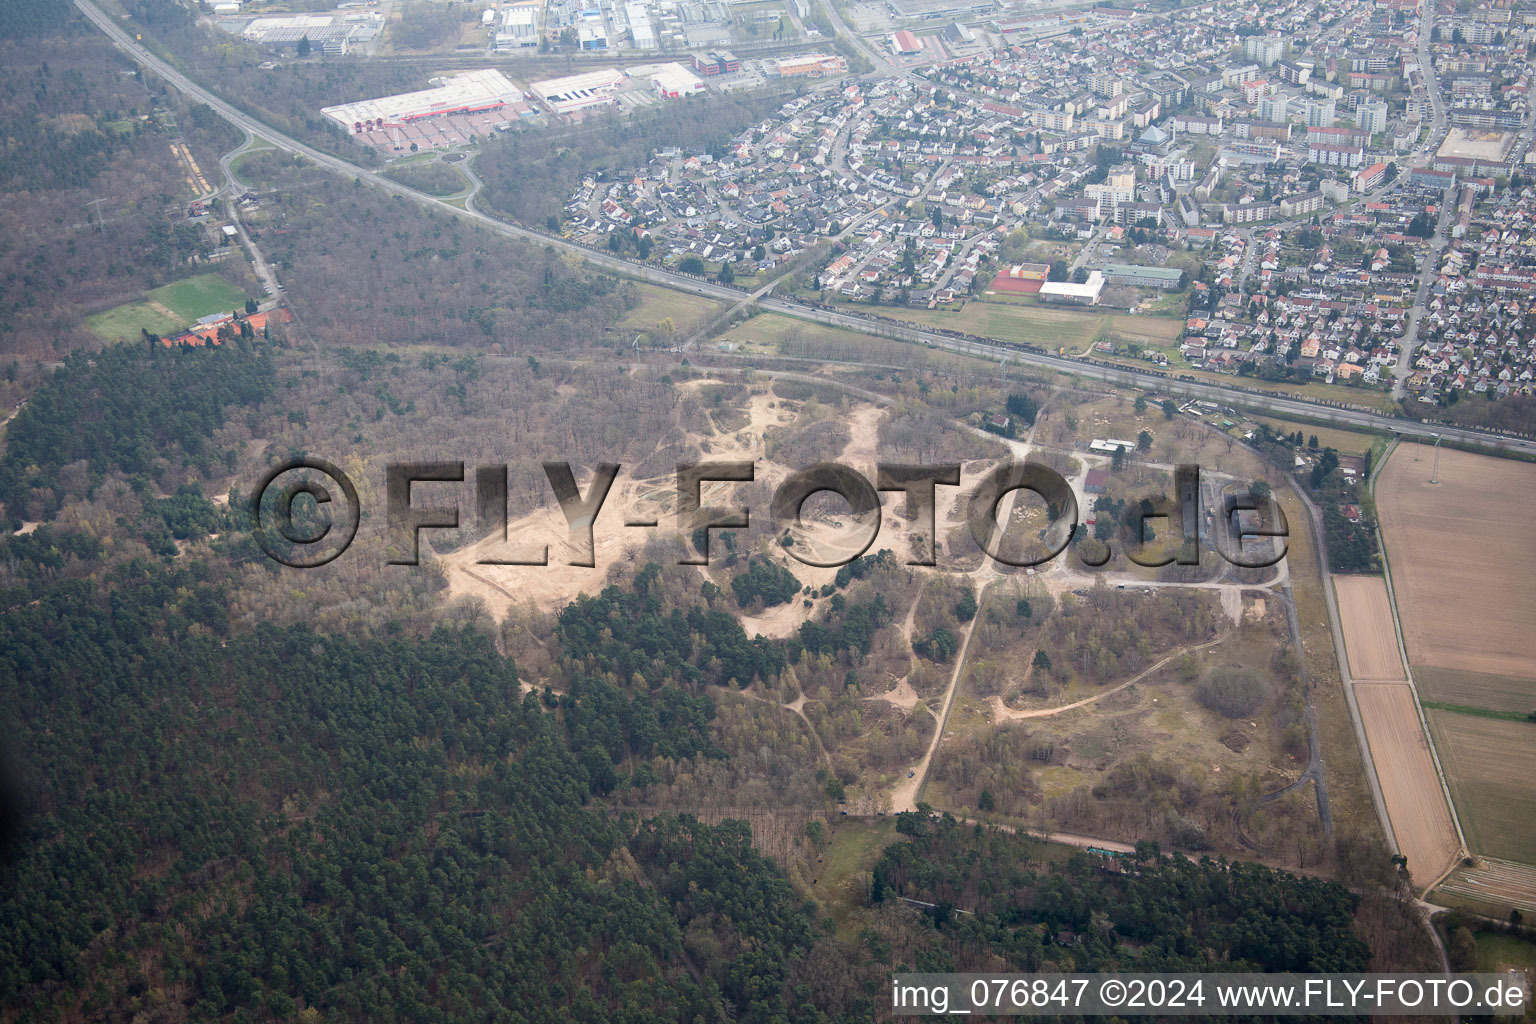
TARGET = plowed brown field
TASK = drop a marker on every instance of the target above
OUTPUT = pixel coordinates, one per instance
(1368, 633)
(1409, 784)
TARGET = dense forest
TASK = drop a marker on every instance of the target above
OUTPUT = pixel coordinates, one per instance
(364, 268)
(146, 412)
(281, 822)
(1150, 913)
(274, 820)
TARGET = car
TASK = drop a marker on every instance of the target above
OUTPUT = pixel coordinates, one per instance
(911, 774)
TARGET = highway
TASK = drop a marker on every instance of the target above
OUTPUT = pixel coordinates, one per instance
(1274, 404)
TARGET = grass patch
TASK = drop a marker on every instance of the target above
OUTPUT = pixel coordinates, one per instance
(1498, 952)
(1455, 688)
(430, 177)
(1033, 324)
(199, 296)
(855, 847)
(1467, 709)
(657, 304)
(128, 322)
(1345, 442)
(1348, 797)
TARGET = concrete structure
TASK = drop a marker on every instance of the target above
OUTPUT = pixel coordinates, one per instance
(1370, 177)
(1372, 117)
(1330, 155)
(1264, 49)
(463, 93)
(1299, 205)
(578, 92)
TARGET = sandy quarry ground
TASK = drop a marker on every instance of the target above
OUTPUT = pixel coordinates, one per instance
(1409, 784)
(1463, 553)
(1369, 637)
(551, 586)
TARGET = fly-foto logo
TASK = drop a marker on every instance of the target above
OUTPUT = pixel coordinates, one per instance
(1250, 532)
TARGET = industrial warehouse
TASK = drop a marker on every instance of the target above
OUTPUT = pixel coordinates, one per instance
(578, 92)
(464, 93)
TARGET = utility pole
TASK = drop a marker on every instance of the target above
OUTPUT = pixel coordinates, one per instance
(100, 224)
(1434, 475)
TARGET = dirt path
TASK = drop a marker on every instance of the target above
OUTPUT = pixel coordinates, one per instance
(904, 797)
(796, 707)
(1004, 712)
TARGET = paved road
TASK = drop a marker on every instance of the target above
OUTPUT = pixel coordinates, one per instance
(653, 275)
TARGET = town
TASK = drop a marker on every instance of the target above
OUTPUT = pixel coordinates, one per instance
(1332, 195)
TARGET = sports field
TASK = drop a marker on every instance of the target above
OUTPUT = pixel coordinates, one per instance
(1410, 785)
(1369, 637)
(168, 309)
(199, 296)
(1490, 764)
(130, 320)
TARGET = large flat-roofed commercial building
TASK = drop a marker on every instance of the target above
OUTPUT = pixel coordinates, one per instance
(1085, 294)
(463, 93)
(942, 10)
(811, 64)
(326, 33)
(642, 33)
(578, 92)
(672, 81)
(1168, 278)
(1482, 146)
(518, 28)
